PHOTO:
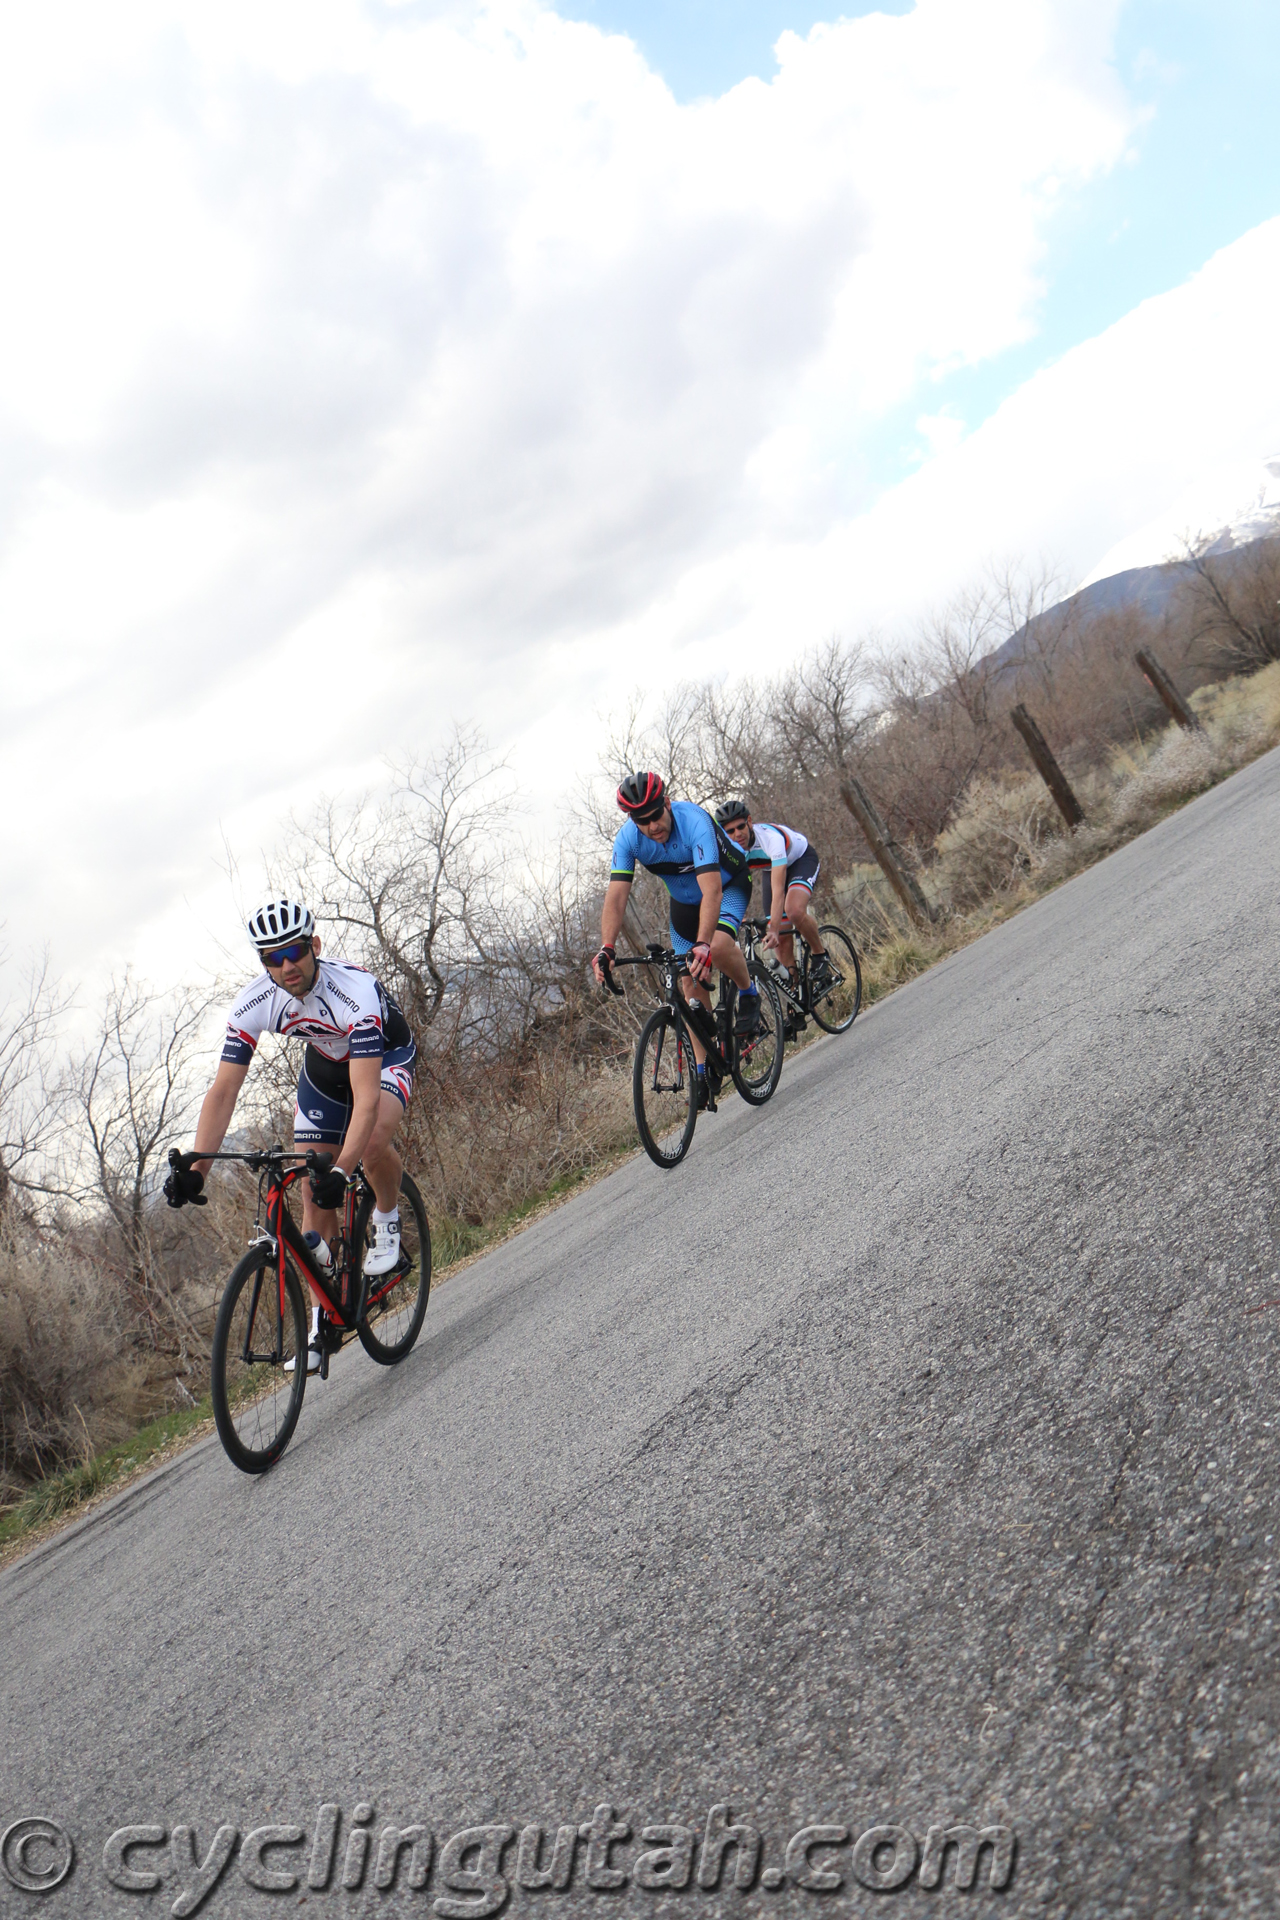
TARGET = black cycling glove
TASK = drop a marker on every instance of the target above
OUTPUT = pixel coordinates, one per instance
(328, 1186)
(185, 1185)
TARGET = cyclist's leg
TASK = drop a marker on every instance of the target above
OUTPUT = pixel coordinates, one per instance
(802, 878)
(382, 1164)
(786, 947)
(683, 932)
(320, 1121)
(726, 954)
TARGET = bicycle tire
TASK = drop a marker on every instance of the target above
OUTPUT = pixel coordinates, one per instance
(255, 1419)
(665, 1114)
(844, 1001)
(757, 1061)
(400, 1310)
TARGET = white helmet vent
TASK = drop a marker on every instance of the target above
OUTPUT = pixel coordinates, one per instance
(280, 920)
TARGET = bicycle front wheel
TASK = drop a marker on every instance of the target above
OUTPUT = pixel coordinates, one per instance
(757, 1062)
(836, 1009)
(664, 1087)
(396, 1301)
(259, 1366)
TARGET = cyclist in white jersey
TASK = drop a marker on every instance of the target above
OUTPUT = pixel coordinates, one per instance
(788, 867)
(353, 1088)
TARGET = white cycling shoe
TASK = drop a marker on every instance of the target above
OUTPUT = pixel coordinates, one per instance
(313, 1360)
(313, 1350)
(385, 1251)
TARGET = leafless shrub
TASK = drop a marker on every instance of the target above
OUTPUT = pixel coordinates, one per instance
(68, 1382)
(1231, 602)
(995, 840)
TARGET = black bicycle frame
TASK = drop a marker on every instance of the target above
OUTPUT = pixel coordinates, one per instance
(797, 998)
(701, 1021)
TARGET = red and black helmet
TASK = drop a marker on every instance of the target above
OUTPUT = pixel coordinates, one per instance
(642, 793)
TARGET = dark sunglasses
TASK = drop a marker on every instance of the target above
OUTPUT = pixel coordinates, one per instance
(647, 819)
(278, 955)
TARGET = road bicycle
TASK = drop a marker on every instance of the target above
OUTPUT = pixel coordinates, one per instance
(834, 1006)
(666, 1088)
(259, 1360)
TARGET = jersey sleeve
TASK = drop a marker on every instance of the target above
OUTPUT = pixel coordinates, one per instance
(624, 852)
(773, 848)
(247, 1021)
(367, 1042)
(703, 842)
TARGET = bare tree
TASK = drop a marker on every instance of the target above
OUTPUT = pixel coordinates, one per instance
(821, 709)
(135, 1090)
(1231, 601)
(32, 1111)
(417, 878)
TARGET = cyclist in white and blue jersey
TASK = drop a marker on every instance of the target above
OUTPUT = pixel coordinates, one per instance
(709, 882)
(788, 867)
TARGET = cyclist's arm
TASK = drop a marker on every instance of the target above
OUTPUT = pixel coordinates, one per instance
(366, 1096)
(617, 893)
(709, 911)
(215, 1114)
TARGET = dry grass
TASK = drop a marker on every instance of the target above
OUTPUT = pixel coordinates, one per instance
(69, 1385)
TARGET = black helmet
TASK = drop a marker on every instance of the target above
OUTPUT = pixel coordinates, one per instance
(642, 793)
(731, 810)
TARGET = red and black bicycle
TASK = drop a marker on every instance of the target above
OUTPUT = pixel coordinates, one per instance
(260, 1338)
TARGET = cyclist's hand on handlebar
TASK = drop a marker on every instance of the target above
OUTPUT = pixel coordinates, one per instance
(700, 959)
(328, 1183)
(602, 967)
(185, 1186)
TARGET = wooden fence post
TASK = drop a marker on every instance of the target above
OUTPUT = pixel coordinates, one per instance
(1047, 767)
(903, 882)
(1155, 673)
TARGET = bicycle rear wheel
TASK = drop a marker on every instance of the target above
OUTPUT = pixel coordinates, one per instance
(757, 1062)
(837, 1008)
(257, 1397)
(664, 1088)
(397, 1301)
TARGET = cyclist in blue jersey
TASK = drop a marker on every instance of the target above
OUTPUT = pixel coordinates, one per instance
(708, 879)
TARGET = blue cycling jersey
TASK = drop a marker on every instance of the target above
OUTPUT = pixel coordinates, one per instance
(696, 846)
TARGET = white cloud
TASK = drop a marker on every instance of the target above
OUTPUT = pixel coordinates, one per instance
(364, 366)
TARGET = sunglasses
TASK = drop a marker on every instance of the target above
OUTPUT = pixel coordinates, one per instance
(647, 819)
(278, 955)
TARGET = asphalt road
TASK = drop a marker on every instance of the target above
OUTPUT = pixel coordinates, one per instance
(906, 1459)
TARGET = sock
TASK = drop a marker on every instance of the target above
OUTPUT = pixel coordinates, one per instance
(381, 1219)
(744, 991)
(702, 1066)
(315, 1319)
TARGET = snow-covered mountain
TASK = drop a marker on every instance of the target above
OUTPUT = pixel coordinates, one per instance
(1149, 587)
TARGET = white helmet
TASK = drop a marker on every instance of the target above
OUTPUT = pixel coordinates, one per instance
(278, 921)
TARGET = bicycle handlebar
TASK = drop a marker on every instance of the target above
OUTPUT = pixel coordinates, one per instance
(257, 1158)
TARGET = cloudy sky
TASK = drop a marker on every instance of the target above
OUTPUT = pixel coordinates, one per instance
(364, 367)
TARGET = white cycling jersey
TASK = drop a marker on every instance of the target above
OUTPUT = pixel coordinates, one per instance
(775, 846)
(346, 1016)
